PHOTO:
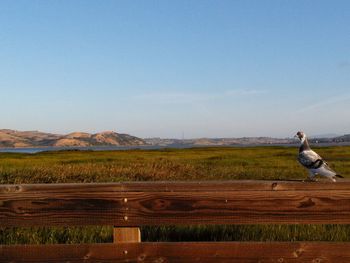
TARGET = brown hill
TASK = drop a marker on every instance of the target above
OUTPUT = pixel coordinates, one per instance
(12, 138)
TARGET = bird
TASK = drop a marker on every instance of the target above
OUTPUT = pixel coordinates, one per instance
(312, 161)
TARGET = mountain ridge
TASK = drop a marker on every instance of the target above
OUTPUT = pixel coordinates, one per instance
(22, 139)
(18, 139)
(259, 140)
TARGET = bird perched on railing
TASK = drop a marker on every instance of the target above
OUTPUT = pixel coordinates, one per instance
(312, 161)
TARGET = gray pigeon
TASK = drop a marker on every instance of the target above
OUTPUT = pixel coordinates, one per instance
(312, 161)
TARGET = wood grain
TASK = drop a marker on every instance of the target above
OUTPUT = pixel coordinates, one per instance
(164, 203)
(183, 186)
(126, 234)
(277, 252)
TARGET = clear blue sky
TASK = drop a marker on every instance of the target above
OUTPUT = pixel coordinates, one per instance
(160, 68)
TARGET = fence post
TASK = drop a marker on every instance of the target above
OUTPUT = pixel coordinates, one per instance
(126, 234)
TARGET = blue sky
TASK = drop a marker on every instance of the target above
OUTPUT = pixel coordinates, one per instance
(160, 68)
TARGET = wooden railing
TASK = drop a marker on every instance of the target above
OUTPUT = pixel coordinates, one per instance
(128, 206)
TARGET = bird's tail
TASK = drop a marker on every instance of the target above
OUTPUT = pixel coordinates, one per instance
(338, 175)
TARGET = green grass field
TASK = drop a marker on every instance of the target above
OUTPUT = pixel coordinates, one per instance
(262, 163)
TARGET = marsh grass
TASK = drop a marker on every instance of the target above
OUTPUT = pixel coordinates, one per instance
(259, 163)
(103, 234)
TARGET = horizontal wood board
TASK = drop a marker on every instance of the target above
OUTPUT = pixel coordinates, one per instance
(181, 252)
(175, 203)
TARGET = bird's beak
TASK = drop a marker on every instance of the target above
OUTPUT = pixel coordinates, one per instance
(296, 136)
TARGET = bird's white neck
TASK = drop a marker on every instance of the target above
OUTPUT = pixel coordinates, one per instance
(304, 144)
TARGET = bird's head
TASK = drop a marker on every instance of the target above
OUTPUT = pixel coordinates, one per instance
(301, 136)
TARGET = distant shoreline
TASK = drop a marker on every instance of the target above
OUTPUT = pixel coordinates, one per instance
(154, 147)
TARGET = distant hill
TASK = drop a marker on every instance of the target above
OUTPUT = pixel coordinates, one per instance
(243, 141)
(344, 138)
(326, 135)
(219, 141)
(12, 138)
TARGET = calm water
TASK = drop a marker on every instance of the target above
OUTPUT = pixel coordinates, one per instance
(94, 148)
(148, 147)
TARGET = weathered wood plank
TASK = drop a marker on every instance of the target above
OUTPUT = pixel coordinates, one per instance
(244, 207)
(183, 186)
(96, 204)
(126, 234)
(239, 207)
(181, 252)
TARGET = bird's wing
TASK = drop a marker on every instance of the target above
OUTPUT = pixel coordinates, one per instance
(326, 166)
(310, 159)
